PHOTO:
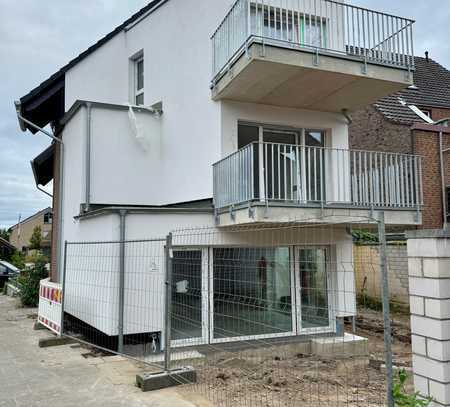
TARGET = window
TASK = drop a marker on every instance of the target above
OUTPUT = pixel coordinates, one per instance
(47, 218)
(139, 81)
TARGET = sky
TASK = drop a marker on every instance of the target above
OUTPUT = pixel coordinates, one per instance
(37, 37)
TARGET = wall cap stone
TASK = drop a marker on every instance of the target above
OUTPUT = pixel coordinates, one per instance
(428, 234)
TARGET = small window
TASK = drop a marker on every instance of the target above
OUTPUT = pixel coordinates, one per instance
(139, 81)
(48, 218)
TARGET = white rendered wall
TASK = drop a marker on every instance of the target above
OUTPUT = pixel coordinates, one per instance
(175, 40)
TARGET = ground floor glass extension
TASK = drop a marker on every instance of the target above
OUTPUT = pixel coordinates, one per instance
(241, 293)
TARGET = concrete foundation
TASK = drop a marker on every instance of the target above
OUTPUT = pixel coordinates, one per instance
(157, 381)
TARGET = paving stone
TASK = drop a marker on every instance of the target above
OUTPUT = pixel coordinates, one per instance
(61, 376)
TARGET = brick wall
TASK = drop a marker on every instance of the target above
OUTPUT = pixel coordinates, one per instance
(426, 144)
(438, 114)
(55, 235)
(371, 131)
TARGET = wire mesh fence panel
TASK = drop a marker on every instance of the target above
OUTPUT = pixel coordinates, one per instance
(114, 296)
(282, 321)
(268, 315)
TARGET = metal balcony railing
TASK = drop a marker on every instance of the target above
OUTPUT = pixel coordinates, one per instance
(320, 26)
(313, 176)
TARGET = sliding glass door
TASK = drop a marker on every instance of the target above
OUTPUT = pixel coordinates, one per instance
(289, 165)
(252, 293)
(189, 316)
(313, 289)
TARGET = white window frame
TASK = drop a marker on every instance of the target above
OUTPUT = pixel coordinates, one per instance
(138, 92)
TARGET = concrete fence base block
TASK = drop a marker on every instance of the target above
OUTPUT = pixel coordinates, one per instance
(162, 380)
(349, 345)
(38, 326)
(55, 341)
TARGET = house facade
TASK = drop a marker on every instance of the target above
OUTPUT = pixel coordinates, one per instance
(21, 232)
(225, 115)
(413, 121)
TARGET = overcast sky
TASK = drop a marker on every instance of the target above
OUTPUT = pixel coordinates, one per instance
(37, 37)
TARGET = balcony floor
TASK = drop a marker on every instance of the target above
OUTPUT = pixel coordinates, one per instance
(278, 213)
(289, 77)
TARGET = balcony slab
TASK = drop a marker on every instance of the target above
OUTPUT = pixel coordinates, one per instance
(261, 214)
(298, 78)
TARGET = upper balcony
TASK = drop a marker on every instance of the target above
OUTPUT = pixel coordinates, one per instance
(310, 54)
(272, 182)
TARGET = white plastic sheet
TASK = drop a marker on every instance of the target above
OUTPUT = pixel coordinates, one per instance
(138, 130)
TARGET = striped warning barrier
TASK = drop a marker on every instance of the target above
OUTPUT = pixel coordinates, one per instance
(50, 305)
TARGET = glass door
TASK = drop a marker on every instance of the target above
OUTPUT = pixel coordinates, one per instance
(281, 164)
(313, 289)
(251, 293)
(189, 297)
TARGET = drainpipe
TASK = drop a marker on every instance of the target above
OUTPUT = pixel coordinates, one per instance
(88, 158)
(122, 214)
(22, 122)
(441, 159)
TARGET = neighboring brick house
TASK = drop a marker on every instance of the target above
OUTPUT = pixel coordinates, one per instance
(21, 232)
(393, 124)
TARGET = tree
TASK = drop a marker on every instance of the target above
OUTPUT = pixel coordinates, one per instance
(36, 238)
(4, 234)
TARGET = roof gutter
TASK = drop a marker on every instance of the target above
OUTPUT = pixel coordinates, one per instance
(136, 211)
(18, 106)
(22, 122)
(38, 187)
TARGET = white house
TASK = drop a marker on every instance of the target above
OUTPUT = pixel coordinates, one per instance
(222, 114)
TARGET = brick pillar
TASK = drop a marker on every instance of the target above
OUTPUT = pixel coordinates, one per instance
(426, 144)
(429, 285)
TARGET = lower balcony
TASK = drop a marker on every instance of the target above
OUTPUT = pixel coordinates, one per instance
(275, 183)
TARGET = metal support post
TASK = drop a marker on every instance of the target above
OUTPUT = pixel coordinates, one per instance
(386, 309)
(63, 289)
(168, 313)
(121, 280)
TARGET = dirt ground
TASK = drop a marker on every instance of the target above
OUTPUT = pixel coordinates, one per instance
(280, 376)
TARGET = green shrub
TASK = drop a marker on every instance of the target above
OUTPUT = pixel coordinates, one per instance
(18, 260)
(29, 283)
(402, 398)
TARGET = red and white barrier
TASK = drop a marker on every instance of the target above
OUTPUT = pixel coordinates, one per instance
(50, 305)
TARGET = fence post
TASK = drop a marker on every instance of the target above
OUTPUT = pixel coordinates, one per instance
(386, 309)
(168, 310)
(63, 289)
(121, 280)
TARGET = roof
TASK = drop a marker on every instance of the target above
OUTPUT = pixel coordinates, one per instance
(5, 244)
(52, 89)
(42, 212)
(432, 89)
(42, 166)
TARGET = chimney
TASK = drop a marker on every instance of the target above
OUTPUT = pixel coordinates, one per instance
(427, 54)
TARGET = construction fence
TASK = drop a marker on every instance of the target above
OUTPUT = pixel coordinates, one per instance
(267, 315)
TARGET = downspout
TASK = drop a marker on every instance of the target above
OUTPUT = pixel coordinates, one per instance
(444, 200)
(88, 158)
(22, 122)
